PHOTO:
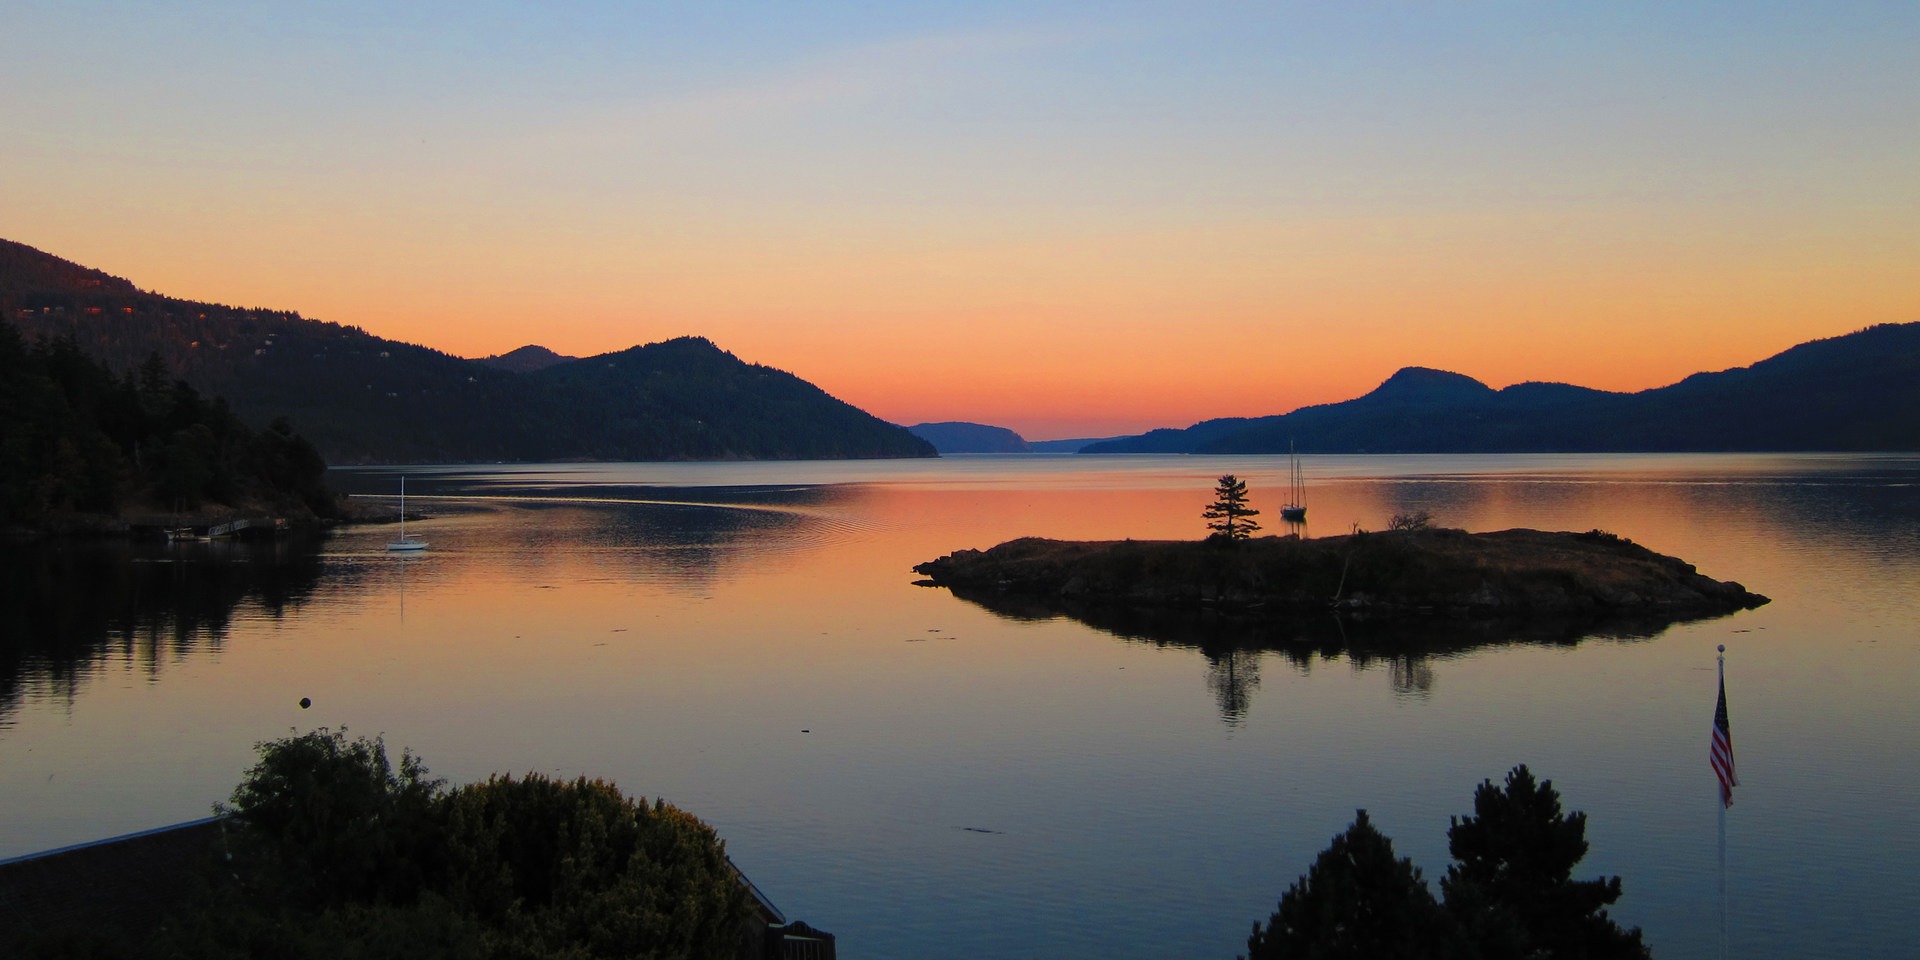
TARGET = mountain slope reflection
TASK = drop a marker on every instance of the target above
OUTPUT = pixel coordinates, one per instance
(67, 606)
(684, 545)
(70, 609)
(1234, 645)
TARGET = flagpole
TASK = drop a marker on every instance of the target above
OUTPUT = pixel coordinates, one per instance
(1723, 831)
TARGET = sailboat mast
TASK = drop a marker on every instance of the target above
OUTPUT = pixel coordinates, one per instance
(404, 543)
(1296, 509)
(1293, 475)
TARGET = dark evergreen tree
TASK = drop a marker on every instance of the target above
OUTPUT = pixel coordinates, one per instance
(1356, 901)
(1509, 896)
(26, 401)
(191, 468)
(80, 440)
(154, 381)
(1512, 883)
(1229, 516)
(292, 466)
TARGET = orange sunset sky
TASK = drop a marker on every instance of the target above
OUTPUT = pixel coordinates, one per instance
(1070, 219)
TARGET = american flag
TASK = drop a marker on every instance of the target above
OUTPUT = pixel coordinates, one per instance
(1721, 754)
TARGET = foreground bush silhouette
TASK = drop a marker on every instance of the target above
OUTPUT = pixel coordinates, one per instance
(340, 855)
(329, 821)
(1510, 895)
(577, 869)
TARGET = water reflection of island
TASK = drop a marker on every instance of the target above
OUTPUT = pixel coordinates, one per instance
(67, 605)
(1234, 645)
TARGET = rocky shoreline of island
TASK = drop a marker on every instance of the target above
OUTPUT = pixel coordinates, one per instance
(1395, 574)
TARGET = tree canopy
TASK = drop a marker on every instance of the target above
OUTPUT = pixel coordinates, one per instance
(81, 440)
(1509, 895)
(1516, 854)
(340, 853)
(330, 850)
(1357, 902)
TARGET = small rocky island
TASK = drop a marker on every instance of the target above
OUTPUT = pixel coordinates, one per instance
(1396, 574)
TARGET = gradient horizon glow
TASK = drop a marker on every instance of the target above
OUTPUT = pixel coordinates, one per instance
(1071, 219)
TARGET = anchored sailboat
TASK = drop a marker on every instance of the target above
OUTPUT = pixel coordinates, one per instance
(1295, 510)
(404, 543)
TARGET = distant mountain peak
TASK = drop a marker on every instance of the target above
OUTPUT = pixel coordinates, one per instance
(1425, 384)
(525, 359)
(959, 436)
(692, 342)
(1428, 376)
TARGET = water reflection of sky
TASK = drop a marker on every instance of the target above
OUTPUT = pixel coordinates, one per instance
(676, 627)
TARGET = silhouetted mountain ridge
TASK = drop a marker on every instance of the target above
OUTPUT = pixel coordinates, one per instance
(1427, 387)
(959, 436)
(525, 359)
(25, 272)
(1860, 391)
(361, 398)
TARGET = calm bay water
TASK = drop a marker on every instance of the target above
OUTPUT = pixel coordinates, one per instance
(927, 778)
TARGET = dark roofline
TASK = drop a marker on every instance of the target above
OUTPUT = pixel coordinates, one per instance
(768, 911)
(25, 857)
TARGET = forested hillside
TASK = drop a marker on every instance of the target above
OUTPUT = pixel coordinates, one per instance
(364, 399)
(80, 440)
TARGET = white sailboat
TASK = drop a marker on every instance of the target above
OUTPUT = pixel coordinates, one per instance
(405, 544)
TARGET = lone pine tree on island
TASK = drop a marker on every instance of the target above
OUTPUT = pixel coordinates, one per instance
(1229, 516)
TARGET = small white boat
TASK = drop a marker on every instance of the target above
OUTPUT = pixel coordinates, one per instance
(405, 544)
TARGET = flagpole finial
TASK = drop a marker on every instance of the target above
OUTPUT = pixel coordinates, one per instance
(1723, 648)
